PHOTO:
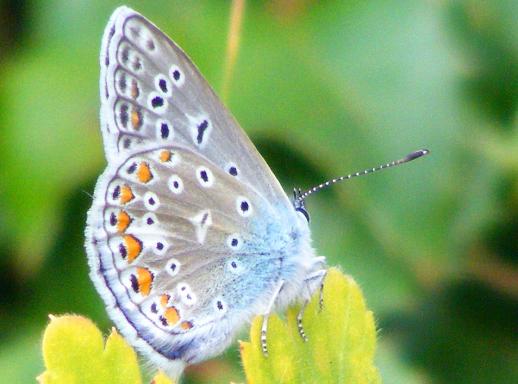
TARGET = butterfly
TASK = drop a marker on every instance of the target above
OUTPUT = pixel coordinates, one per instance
(190, 234)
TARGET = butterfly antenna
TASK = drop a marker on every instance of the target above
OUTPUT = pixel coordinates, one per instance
(300, 196)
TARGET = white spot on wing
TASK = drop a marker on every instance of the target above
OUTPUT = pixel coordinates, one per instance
(231, 169)
(204, 176)
(202, 221)
(140, 35)
(149, 220)
(163, 85)
(235, 266)
(176, 75)
(234, 241)
(151, 201)
(220, 306)
(175, 184)
(173, 267)
(159, 246)
(243, 206)
(185, 293)
(157, 103)
(201, 128)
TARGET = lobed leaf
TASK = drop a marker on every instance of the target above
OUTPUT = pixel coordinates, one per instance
(74, 352)
(340, 347)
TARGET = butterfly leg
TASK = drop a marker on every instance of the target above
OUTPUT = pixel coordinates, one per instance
(269, 309)
(300, 327)
(320, 274)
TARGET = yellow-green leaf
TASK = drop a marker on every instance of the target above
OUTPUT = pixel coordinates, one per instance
(161, 378)
(74, 352)
(340, 347)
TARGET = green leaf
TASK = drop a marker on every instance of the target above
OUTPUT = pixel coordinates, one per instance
(74, 352)
(340, 347)
(161, 378)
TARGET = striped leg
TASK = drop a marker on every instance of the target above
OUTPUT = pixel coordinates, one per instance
(264, 327)
(320, 274)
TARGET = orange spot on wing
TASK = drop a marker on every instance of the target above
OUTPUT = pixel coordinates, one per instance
(164, 300)
(136, 119)
(126, 194)
(185, 325)
(145, 280)
(144, 172)
(134, 89)
(123, 221)
(165, 156)
(133, 247)
(172, 315)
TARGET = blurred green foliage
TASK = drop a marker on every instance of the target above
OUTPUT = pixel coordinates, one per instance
(323, 88)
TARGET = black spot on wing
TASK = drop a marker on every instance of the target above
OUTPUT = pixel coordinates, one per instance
(202, 128)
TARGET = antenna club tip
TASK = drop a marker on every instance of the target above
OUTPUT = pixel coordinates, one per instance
(417, 154)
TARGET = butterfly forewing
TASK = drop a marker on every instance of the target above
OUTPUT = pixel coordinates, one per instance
(151, 92)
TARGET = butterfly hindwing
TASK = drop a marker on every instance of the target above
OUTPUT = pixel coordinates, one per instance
(179, 242)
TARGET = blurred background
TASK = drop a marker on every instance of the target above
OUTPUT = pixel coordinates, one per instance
(323, 88)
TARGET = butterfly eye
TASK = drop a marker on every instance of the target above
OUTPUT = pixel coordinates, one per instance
(303, 211)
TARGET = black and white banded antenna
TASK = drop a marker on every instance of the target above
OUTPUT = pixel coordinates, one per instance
(300, 196)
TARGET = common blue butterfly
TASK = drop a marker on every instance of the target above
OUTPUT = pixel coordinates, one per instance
(190, 234)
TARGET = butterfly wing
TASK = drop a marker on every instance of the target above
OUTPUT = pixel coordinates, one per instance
(175, 244)
(151, 92)
(189, 230)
